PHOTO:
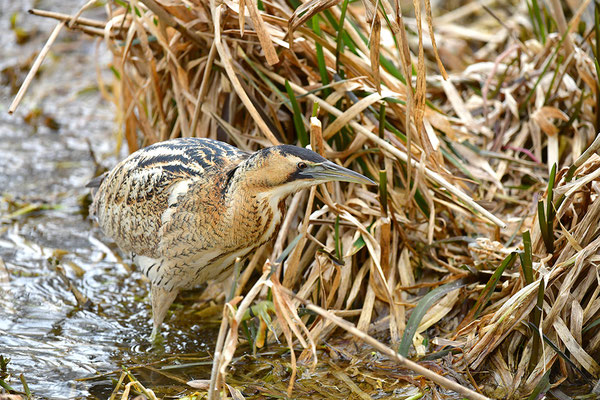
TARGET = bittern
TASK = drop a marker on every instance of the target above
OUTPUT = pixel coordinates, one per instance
(188, 208)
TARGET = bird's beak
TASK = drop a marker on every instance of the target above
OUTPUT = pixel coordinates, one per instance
(329, 171)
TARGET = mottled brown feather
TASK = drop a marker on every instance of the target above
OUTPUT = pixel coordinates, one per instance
(132, 198)
(187, 208)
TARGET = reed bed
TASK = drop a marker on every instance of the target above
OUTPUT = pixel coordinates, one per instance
(477, 252)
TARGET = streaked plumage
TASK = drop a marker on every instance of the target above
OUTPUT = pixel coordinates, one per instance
(187, 208)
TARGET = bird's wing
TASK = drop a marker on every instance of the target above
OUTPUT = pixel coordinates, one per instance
(190, 222)
(133, 198)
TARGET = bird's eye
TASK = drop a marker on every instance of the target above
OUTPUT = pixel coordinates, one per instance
(301, 165)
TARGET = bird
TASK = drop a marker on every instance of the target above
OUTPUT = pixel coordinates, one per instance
(187, 208)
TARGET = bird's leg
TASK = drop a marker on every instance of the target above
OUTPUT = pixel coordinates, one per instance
(161, 301)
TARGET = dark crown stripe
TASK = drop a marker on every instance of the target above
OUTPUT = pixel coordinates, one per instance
(299, 152)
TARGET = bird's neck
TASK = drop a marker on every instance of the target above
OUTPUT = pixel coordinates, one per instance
(255, 207)
(258, 196)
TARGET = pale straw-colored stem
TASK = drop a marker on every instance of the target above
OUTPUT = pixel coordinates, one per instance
(67, 17)
(561, 21)
(220, 362)
(402, 361)
(203, 88)
(235, 82)
(35, 67)
(434, 176)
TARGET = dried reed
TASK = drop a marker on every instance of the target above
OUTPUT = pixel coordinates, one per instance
(501, 139)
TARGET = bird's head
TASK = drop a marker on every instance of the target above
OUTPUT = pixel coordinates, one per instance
(283, 170)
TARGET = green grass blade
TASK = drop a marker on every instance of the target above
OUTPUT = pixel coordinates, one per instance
(543, 226)
(340, 36)
(565, 357)
(539, 79)
(288, 249)
(591, 325)
(549, 206)
(454, 161)
(267, 81)
(383, 194)
(297, 116)
(261, 310)
(574, 112)
(440, 354)
(358, 244)
(381, 120)
(390, 67)
(502, 79)
(487, 292)
(422, 203)
(551, 25)
(320, 55)
(6, 386)
(536, 31)
(421, 309)
(526, 258)
(331, 19)
(536, 320)
(388, 125)
(25, 386)
(250, 336)
(538, 19)
(556, 71)
(541, 388)
(537, 82)
(550, 212)
(348, 42)
(385, 62)
(115, 72)
(338, 242)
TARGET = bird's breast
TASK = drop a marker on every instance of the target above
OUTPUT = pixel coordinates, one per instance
(237, 234)
(255, 223)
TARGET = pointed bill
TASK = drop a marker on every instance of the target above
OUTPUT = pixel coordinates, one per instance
(329, 171)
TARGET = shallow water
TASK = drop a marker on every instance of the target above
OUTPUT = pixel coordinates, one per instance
(49, 338)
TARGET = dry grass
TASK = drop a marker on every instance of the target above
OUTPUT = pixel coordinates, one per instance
(501, 140)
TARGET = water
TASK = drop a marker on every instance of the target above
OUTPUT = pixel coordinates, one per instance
(49, 338)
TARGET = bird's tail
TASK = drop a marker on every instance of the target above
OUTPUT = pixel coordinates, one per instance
(97, 181)
(94, 184)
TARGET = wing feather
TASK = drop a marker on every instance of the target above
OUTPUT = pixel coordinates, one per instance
(141, 194)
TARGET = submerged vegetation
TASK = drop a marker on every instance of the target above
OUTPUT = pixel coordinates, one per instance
(477, 255)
